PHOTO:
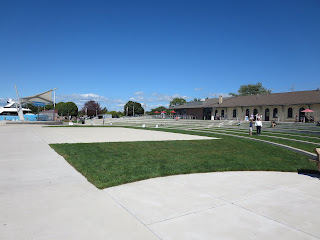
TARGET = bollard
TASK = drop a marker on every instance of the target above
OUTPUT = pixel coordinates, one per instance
(143, 125)
(157, 126)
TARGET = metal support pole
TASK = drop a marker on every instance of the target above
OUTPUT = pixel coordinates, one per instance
(54, 105)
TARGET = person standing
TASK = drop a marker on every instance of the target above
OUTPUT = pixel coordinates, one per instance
(250, 127)
(258, 125)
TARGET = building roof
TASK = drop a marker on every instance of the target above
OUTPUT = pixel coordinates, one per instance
(200, 104)
(287, 98)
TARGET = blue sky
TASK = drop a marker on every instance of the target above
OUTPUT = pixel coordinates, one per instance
(151, 51)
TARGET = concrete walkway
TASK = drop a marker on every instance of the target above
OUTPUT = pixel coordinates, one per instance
(228, 205)
(43, 197)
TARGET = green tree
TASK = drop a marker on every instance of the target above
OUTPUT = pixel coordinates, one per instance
(177, 102)
(251, 89)
(59, 108)
(104, 110)
(115, 114)
(69, 109)
(138, 109)
(33, 109)
(92, 108)
(197, 99)
(47, 107)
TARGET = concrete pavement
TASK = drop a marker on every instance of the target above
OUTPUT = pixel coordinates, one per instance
(106, 134)
(226, 205)
(43, 197)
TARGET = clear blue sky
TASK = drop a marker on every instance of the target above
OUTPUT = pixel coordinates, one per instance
(149, 51)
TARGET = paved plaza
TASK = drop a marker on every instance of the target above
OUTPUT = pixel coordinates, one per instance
(43, 197)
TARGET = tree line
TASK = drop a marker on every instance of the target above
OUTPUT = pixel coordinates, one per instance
(93, 108)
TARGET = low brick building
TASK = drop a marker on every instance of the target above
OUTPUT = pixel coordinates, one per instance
(286, 107)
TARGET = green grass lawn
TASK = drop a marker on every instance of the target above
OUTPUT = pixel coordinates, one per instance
(111, 164)
(300, 145)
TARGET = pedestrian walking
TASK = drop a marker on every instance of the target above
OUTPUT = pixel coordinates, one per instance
(258, 125)
(250, 127)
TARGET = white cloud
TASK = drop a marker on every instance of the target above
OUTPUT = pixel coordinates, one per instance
(138, 93)
(198, 89)
(80, 99)
(152, 100)
(216, 95)
(161, 97)
(167, 98)
(156, 105)
(137, 99)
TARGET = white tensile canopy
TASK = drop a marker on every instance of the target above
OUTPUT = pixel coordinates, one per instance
(45, 97)
(38, 100)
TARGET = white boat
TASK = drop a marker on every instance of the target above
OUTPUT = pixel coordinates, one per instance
(11, 109)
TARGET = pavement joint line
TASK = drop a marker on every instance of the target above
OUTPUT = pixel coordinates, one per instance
(32, 130)
(232, 203)
(291, 189)
(187, 214)
(127, 210)
(198, 190)
(228, 201)
(259, 195)
(299, 230)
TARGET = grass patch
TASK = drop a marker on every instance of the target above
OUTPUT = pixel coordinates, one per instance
(299, 145)
(111, 164)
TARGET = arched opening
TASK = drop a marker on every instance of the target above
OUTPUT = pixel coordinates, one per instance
(247, 112)
(275, 113)
(302, 115)
(255, 112)
(222, 113)
(289, 112)
(234, 113)
(207, 113)
(266, 114)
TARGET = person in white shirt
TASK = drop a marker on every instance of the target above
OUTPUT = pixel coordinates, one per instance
(258, 125)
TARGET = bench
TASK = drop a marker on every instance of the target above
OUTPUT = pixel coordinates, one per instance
(317, 150)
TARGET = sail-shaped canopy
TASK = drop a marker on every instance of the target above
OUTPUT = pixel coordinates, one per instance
(45, 98)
